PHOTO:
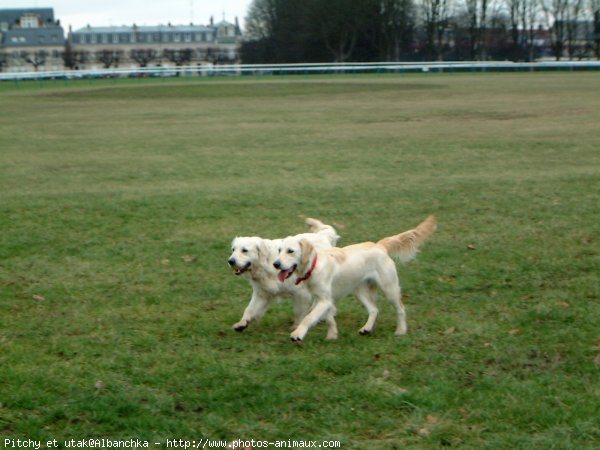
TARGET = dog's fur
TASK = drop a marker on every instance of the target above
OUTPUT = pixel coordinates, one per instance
(361, 268)
(253, 257)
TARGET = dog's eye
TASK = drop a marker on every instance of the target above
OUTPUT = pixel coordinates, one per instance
(244, 250)
(290, 250)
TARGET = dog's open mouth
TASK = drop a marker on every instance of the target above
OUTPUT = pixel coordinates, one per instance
(285, 274)
(240, 270)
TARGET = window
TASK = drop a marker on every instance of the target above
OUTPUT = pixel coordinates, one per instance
(187, 37)
(93, 38)
(177, 37)
(105, 38)
(29, 21)
(115, 38)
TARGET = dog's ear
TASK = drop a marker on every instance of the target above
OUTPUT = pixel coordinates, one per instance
(308, 253)
(262, 250)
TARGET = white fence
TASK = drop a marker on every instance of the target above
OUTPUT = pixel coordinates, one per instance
(283, 69)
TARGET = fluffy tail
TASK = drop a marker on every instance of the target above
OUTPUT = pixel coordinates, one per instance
(405, 246)
(316, 226)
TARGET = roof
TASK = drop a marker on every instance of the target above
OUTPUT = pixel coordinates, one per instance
(33, 37)
(145, 29)
(11, 16)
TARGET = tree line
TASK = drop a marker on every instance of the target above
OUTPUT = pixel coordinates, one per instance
(142, 56)
(75, 59)
(288, 31)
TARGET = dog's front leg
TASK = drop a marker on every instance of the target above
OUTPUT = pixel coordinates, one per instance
(254, 311)
(302, 302)
(322, 307)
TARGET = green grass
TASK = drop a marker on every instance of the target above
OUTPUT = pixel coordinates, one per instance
(108, 331)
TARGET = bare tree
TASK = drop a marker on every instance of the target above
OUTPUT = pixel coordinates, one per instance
(435, 16)
(3, 61)
(262, 15)
(338, 23)
(556, 15)
(210, 55)
(574, 11)
(109, 57)
(36, 59)
(178, 57)
(397, 28)
(524, 18)
(514, 7)
(477, 13)
(530, 17)
(143, 56)
(595, 11)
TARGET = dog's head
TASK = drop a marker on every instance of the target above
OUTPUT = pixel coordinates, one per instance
(295, 256)
(245, 253)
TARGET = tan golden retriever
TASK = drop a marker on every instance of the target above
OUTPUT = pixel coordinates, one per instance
(330, 274)
(253, 257)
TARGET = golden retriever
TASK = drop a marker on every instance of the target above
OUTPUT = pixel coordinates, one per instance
(253, 257)
(330, 274)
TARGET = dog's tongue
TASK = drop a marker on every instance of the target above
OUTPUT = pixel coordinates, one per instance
(282, 275)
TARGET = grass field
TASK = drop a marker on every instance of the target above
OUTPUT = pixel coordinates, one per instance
(119, 200)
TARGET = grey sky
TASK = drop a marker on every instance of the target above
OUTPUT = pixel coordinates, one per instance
(79, 13)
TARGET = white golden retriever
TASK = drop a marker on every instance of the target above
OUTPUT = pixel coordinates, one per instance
(330, 274)
(253, 257)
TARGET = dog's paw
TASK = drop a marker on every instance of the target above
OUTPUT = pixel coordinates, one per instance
(296, 336)
(240, 326)
(364, 332)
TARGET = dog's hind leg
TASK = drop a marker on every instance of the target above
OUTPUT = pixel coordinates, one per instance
(367, 294)
(390, 285)
(396, 300)
(254, 311)
(332, 331)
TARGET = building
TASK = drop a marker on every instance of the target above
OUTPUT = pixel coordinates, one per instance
(30, 40)
(162, 45)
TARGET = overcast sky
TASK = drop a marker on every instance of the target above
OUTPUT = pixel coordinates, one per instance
(79, 13)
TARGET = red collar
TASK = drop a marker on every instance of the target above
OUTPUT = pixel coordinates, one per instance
(309, 273)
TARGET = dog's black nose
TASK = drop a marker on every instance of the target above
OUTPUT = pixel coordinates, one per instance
(231, 262)
(277, 264)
